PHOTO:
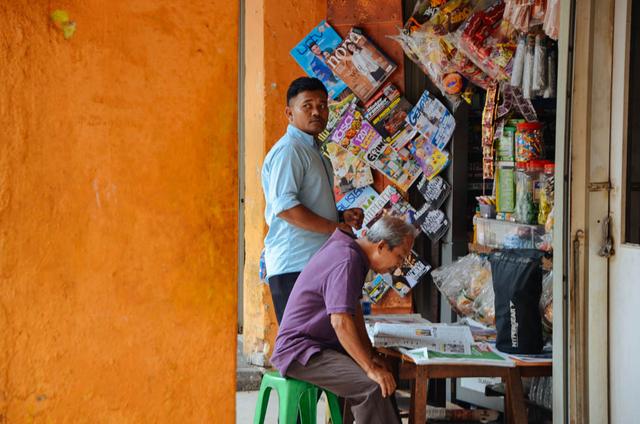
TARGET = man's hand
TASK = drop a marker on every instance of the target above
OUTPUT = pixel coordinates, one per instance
(345, 227)
(353, 217)
(381, 361)
(384, 379)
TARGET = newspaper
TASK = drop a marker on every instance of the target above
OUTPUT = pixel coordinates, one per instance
(480, 354)
(439, 337)
(312, 53)
(360, 64)
(402, 319)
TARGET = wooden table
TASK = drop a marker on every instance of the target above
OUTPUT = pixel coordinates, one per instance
(419, 375)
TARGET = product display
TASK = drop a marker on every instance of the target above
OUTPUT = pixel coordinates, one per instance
(528, 141)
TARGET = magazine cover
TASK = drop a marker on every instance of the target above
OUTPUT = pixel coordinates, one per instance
(387, 111)
(362, 198)
(349, 172)
(389, 202)
(433, 222)
(312, 54)
(407, 275)
(431, 159)
(432, 119)
(360, 64)
(402, 171)
(353, 132)
(376, 289)
(434, 191)
(336, 110)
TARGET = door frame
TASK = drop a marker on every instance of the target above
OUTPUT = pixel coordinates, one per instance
(587, 273)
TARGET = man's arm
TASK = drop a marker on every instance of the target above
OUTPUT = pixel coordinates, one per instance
(302, 217)
(351, 340)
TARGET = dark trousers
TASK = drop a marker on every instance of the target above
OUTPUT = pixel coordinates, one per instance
(281, 286)
(339, 374)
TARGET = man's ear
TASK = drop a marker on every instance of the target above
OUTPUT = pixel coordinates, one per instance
(381, 245)
(289, 112)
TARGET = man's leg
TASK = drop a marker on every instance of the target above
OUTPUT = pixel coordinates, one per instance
(339, 374)
(281, 286)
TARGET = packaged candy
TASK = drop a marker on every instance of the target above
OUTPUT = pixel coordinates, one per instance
(505, 188)
(529, 141)
(489, 41)
(547, 193)
(551, 24)
(525, 210)
(552, 60)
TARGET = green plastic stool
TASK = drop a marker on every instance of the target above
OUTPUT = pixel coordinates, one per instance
(294, 395)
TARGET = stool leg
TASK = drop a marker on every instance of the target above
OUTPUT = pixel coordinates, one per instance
(261, 405)
(334, 408)
(288, 407)
(309, 406)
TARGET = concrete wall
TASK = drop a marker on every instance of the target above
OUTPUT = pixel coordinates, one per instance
(272, 28)
(118, 185)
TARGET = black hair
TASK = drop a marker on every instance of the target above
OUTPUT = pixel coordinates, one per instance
(301, 84)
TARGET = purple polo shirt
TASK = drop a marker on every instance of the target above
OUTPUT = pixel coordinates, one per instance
(330, 283)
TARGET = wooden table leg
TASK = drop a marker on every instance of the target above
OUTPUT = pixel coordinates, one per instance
(515, 408)
(418, 408)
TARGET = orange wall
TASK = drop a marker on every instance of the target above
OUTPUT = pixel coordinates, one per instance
(273, 28)
(118, 212)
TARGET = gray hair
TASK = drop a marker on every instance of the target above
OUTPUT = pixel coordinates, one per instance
(393, 231)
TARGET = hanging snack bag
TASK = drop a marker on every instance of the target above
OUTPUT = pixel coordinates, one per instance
(489, 41)
(517, 284)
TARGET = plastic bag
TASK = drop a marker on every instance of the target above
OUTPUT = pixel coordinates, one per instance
(551, 24)
(483, 306)
(517, 283)
(489, 41)
(546, 302)
(463, 283)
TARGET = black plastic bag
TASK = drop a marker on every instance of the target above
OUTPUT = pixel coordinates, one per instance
(517, 283)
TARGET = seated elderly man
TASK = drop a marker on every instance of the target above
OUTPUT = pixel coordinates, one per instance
(322, 337)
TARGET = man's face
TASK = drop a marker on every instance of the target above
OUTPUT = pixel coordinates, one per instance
(308, 111)
(386, 260)
(315, 49)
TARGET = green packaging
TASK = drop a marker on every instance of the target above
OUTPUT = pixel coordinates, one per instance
(505, 188)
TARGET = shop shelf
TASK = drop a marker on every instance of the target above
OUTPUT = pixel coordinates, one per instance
(499, 234)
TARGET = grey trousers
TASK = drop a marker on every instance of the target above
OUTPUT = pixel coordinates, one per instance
(340, 374)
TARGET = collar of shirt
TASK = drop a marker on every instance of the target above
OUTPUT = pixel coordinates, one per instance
(296, 133)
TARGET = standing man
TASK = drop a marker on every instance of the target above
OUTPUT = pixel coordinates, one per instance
(298, 188)
(323, 339)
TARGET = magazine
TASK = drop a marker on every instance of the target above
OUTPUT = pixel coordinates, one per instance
(376, 289)
(353, 132)
(349, 172)
(433, 222)
(434, 191)
(387, 111)
(389, 202)
(360, 64)
(430, 158)
(358, 136)
(336, 109)
(432, 119)
(403, 172)
(362, 198)
(407, 275)
(312, 54)
(481, 354)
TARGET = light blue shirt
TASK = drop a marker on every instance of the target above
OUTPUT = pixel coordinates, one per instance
(295, 172)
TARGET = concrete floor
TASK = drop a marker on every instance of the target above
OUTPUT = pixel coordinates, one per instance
(246, 406)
